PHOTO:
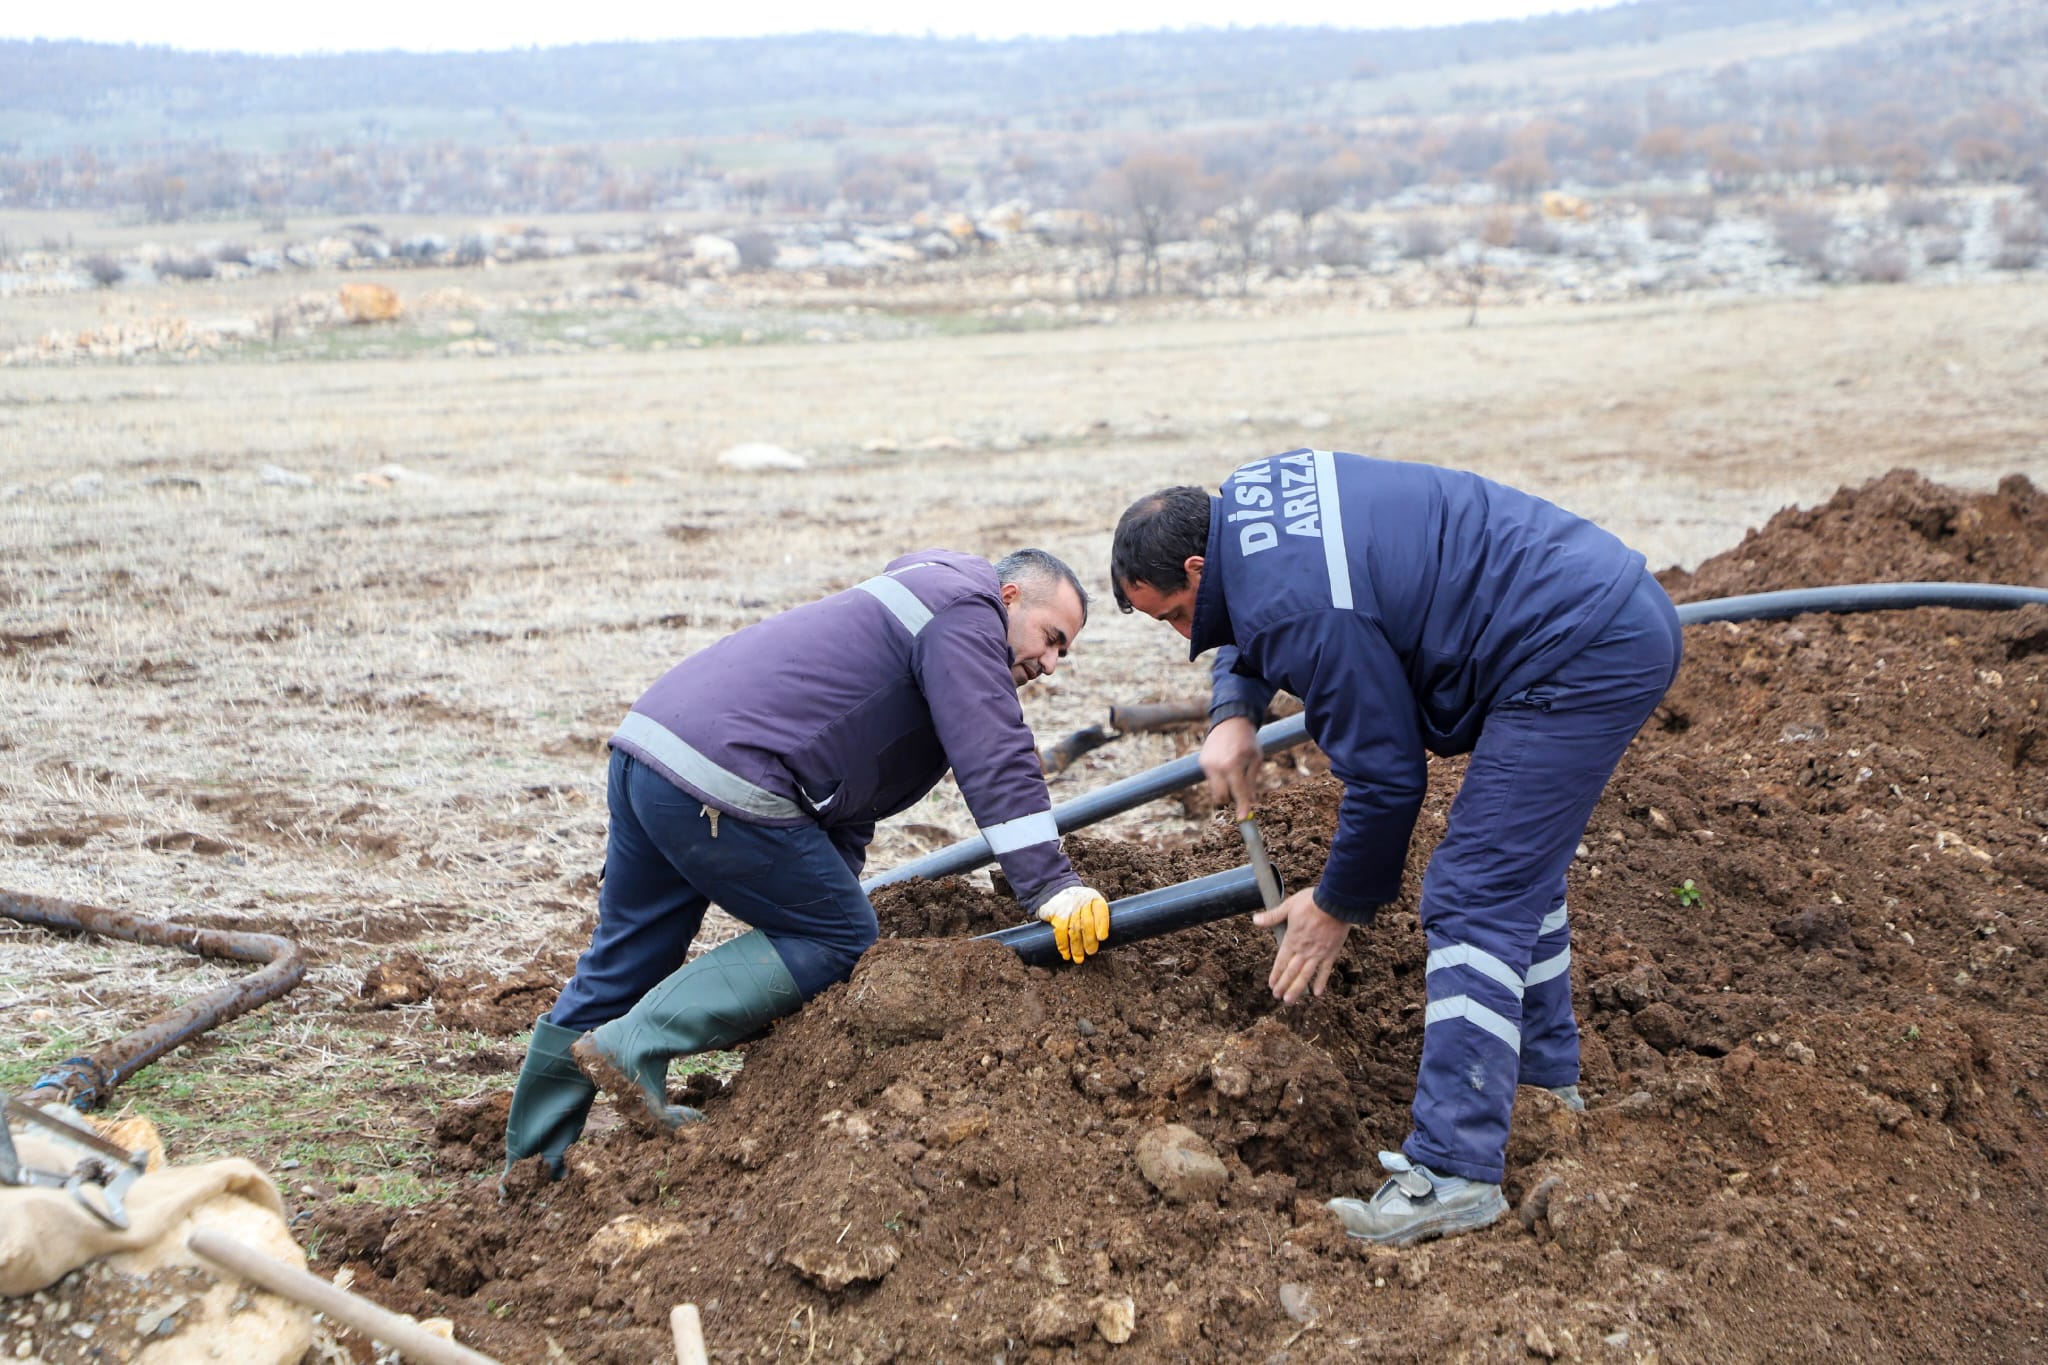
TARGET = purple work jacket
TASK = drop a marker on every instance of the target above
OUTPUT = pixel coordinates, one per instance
(850, 709)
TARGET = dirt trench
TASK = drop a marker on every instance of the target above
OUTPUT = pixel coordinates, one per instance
(1811, 945)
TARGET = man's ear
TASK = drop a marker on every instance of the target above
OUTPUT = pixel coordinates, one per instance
(1010, 592)
(1192, 566)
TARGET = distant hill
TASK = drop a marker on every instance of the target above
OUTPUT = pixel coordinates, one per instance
(58, 96)
(1721, 97)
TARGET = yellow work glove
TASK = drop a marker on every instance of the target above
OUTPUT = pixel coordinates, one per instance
(1079, 917)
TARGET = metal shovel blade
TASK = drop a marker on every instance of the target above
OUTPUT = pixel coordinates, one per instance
(1262, 871)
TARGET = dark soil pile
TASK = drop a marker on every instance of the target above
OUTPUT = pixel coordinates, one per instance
(1816, 1077)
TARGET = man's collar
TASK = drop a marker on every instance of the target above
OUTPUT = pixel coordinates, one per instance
(1211, 625)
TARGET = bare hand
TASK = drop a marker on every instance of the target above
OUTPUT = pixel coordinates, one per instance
(1230, 760)
(1309, 951)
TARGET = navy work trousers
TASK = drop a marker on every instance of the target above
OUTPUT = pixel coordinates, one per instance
(664, 865)
(1493, 899)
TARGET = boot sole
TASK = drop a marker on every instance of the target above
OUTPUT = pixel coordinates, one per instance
(630, 1100)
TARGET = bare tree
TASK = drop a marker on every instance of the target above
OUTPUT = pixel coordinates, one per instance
(1161, 190)
(1466, 271)
(1301, 190)
(1525, 171)
(1236, 224)
(1522, 174)
(869, 189)
(1844, 152)
(803, 191)
(1108, 227)
(752, 189)
(1984, 158)
(1732, 162)
(1805, 235)
(1663, 148)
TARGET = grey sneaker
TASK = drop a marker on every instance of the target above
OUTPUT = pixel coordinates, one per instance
(1417, 1204)
(1571, 1097)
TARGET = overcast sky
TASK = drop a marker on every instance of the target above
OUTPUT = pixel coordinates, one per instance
(351, 25)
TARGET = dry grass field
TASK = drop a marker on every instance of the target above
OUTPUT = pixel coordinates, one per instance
(367, 708)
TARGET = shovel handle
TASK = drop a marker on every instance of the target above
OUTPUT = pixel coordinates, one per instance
(1262, 870)
(689, 1332)
(407, 1337)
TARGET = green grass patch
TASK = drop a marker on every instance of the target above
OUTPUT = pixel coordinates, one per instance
(984, 324)
(340, 1106)
(346, 1108)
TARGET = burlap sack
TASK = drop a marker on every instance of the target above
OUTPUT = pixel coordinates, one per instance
(45, 1235)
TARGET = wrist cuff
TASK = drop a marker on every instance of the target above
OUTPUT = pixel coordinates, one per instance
(1343, 908)
(1032, 906)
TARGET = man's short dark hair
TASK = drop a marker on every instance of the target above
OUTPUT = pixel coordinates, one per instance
(1037, 571)
(1155, 539)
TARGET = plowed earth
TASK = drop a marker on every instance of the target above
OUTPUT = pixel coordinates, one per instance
(1816, 1078)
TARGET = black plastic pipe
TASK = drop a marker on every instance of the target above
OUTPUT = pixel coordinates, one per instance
(83, 1082)
(1223, 894)
(1771, 606)
(1146, 915)
(1086, 809)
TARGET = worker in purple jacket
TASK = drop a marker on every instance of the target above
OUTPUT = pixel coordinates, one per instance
(1417, 610)
(752, 775)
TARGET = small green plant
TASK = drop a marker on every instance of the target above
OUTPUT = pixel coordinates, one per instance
(1687, 892)
(1912, 1033)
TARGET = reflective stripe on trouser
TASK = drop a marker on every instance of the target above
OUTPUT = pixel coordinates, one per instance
(664, 866)
(1542, 760)
(1550, 1032)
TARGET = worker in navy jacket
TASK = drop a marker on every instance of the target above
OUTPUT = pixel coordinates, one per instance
(1417, 610)
(752, 775)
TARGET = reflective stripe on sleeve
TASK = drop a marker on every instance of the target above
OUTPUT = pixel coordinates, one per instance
(901, 601)
(1021, 832)
(1334, 558)
(680, 758)
(1472, 1012)
(1485, 963)
(1549, 967)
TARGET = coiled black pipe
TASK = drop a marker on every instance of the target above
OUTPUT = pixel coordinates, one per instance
(83, 1082)
(1225, 893)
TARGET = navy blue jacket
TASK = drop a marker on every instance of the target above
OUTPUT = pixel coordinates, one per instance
(847, 710)
(1399, 602)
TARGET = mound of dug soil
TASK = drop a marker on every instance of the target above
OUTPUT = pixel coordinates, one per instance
(1816, 1077)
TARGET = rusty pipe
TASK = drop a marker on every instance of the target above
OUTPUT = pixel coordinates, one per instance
(1146, 717)
(1057, 758)
(1158, 715)
(84, 1082)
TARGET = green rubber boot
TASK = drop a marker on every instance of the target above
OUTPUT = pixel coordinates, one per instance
(550, 1101)
(724, 997)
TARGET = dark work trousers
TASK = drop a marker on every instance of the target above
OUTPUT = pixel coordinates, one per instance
(663, 866)
(1493, 899)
